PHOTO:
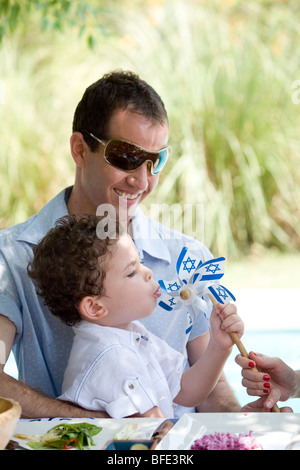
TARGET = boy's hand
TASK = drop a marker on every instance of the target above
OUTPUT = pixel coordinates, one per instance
(224, 319)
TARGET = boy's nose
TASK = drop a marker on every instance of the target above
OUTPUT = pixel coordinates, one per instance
(148, 274)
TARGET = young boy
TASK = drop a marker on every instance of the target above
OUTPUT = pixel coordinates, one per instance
(100, 287)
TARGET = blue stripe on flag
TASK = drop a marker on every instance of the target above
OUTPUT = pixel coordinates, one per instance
(221, 294)
(229, 293)
(165, 306)
(218, 270)
(180, 258)
(162, 285)
(214, 260)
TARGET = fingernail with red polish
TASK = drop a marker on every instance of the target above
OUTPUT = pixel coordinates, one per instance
(251, 364)
(265, 391)
(267, 385)
(266, 377)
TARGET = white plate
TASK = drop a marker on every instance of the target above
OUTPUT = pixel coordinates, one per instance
(144, 430)
(271, 430)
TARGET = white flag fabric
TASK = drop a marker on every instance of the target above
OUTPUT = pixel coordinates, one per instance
(221, 294)
(187, 264)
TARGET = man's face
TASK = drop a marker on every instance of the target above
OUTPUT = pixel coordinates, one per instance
(103, 184)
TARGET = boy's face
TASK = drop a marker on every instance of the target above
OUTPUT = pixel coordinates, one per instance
(130, 291)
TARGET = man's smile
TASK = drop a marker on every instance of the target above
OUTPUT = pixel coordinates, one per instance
(126, 195)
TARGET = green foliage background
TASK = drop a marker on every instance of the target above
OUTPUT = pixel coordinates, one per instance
(225, 70)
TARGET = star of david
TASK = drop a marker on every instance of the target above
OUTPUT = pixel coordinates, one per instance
(171, 302)
(212, 268)
(191, 263)
(222, 293)
(173, 287)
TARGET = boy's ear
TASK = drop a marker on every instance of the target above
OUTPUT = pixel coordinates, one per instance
(92, 308)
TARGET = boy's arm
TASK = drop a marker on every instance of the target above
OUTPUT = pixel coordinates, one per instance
(222, 398)
(33, 403)
(209, 361)
(199, 380)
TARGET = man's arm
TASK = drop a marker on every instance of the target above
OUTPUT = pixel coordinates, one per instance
(33, 403)
(222, 398)
(36, 405)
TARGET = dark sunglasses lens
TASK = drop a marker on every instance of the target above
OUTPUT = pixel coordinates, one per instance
(127, 157)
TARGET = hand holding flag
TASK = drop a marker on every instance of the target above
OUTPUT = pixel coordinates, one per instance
(195, 279)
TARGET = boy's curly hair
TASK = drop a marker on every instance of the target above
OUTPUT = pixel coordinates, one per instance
(70, 263)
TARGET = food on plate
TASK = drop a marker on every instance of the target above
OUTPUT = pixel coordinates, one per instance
(139, 447)
(226, 441)
(127, 432)
(64, 436)
(131, 432)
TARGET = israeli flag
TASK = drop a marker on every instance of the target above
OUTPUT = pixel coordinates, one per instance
(187, 264)
(170, 286)
(168, 302)
(211, 270)
(221, 294)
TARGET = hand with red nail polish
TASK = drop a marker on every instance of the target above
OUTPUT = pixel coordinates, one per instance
(273, 377)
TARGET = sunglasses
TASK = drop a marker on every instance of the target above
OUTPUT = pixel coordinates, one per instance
(127, 156)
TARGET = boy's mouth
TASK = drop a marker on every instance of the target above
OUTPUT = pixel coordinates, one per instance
(157, 293)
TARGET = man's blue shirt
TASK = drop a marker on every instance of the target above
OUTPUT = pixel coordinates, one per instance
(42, 343)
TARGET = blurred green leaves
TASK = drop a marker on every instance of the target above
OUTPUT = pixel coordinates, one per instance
(55, 15)
(225, 71)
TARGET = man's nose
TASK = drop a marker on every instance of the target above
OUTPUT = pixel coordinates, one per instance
(139, 178)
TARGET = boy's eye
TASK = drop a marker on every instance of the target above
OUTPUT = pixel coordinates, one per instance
(132, 274)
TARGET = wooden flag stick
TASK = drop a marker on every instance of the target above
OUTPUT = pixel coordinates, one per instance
(185, 294)
(235, 338)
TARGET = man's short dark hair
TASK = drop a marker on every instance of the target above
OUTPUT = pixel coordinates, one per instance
(116, 90)
(65, 266)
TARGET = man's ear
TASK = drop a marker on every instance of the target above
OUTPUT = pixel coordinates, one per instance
(78, 148)
(92, 308)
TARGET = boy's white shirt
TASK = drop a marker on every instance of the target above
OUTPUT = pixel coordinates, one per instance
(122, 372)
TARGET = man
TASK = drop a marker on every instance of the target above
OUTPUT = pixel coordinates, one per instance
(110, 173)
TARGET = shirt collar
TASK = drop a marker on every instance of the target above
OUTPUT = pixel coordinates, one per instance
(45, 219)
(135, 332)
(148, 237)
(148, 234)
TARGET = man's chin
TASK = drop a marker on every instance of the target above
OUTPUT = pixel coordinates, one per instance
(126, 212)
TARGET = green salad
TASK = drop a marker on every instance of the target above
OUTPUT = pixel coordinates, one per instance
(66, 436)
